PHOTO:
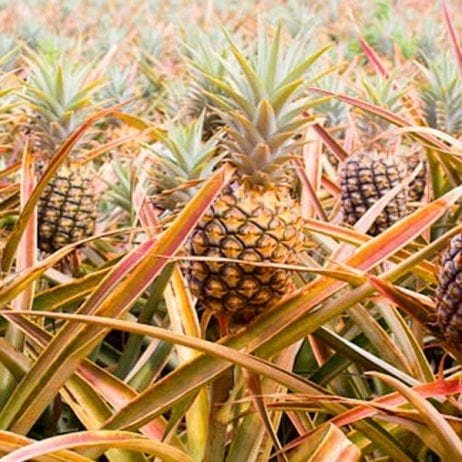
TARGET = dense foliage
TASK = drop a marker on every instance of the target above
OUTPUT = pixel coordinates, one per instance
(230, 231)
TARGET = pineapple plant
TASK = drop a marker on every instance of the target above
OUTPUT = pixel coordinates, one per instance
(335, 345)
(368, 175)
(180, 161)
(383, 92)
(386, 31)
(365, 177)
(9, 50)
(441, 93)
(335, 111)
(9, 113)
(256, 219)
(297, 18)
(429, 40)
(387, 93)
(59, 96)
(449, 294)
(153, 71)
(197, 100)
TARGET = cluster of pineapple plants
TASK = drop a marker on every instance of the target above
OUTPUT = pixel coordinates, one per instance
(230, 231)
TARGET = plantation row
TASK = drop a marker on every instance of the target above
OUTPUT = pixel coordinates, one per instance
(230, 232)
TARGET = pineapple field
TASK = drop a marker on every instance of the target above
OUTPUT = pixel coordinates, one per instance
(230, 231)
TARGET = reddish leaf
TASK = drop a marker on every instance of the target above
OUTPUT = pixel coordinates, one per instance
(452, 35)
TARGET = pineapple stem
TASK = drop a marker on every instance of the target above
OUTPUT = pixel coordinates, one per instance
(219, 411)
(219, 417)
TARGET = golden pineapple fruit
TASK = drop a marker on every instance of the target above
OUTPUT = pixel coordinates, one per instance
(246, 223)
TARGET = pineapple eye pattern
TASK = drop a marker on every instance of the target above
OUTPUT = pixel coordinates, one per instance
(66, 211)
(364, 179)
(251, 225)
(449, 293)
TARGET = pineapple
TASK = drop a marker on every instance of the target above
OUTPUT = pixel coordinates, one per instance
(368, 175)
(416, 188)
(449, 294)
(388, 94)
(256, 219)
(59, 98)
(66, 210)
(365, 177)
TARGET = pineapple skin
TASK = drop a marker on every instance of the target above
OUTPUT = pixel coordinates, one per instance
(67, 210)
(365, 178)
(250, 223)
(449, 294)
(416, 188)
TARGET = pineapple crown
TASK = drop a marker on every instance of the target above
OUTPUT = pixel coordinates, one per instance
(154, 85)
(262, 100)
(380, 91)
(297, 17)
(150, 43)
(120, 86)
(60, 95)
(429, 39)
(9, 116)
(442, 94)
(196, 47)
(181, 160)
(9, 49)
(336, 111)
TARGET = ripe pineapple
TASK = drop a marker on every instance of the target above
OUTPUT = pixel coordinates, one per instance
(254, 223)
(256, 218)
(59, 98)
(365, 178)
(449, 294)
